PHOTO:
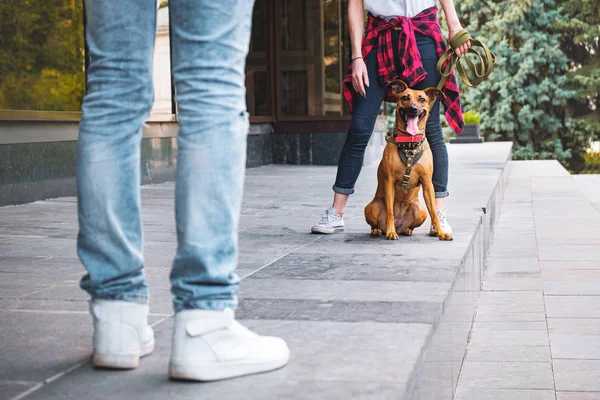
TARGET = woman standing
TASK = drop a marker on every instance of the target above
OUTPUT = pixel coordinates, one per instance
(403, 40)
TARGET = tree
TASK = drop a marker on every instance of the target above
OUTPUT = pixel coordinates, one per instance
(580, 42)
(41, 55)
(525, 98)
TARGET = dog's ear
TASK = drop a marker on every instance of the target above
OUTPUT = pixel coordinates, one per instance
(398, 87)
(432, 93)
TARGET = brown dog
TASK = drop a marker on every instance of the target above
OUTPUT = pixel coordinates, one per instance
(396, 206)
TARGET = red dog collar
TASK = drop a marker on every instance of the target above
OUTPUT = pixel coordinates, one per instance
(403, 137)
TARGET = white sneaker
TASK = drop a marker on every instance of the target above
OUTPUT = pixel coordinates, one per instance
(211, 345)
(446, 228)
(121, 333)
(330, 222)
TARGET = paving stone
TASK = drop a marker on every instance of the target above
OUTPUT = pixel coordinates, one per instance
(572, 275)
(577, 375)
(14, 291)
(510, 338)
(577, 395)
(512, 264)
(513, 283)
(574, 326)
(569, 252)
(569, 265)
(503, 394)
(506, 375)
(11, 389)
(338, 311)
(491, 351)
(329, 290)
(35, 357)
(521, 298)
(571, 346)
(573, 306)
(385, 267)
(509, 326)
(40, 265)
(571, 288)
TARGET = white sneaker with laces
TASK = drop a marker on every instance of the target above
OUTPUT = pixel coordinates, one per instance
(211, 345)
(330, 222)
(446, 228)
(121, 333)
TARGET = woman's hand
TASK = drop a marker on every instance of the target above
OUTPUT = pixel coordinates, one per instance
(360, 78)
(463, 48)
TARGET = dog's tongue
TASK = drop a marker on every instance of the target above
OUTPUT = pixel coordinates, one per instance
(411, 125)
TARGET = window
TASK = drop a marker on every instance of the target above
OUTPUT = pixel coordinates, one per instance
(313, 55)
(41, 55)
(258, 64)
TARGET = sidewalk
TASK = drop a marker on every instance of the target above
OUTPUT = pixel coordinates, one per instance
(536, 334)
(362, 315)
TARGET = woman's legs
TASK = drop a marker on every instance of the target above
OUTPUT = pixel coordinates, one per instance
(433, 131)
(361, 127)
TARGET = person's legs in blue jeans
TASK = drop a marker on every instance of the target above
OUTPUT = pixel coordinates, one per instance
(209, 49)
(210, 44)
(433, 131)
(364, 116)
(120, 40)
(208, 68)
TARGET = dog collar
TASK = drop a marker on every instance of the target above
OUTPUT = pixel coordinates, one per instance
(403, 137)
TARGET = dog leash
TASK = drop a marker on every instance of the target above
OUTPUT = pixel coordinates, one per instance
(478, 48)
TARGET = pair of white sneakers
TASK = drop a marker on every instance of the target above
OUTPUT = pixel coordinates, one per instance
(332, 222)
(207, 345)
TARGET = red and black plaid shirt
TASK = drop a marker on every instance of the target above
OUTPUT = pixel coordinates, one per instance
(379, 32)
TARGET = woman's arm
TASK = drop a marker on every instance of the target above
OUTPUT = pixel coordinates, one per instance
(356, 24)
(453, 24)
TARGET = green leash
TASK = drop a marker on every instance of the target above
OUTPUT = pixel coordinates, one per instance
(481, 71)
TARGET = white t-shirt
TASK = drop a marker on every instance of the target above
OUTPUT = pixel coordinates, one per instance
(397, 8)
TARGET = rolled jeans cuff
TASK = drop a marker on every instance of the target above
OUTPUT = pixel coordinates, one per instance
(441, 195)
(214, 305)
(342, 190)
(140, 298)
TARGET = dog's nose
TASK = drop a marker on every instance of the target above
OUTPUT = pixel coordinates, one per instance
(414, 108)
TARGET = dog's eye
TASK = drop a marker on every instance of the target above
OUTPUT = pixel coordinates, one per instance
(405, 98)
(422, 100)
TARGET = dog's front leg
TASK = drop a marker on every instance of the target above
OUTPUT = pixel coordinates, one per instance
(390, 194)
(429, 196)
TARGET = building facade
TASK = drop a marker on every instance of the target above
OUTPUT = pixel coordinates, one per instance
(299, 52)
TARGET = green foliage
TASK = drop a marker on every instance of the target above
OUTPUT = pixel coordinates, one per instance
(471, 118)
(41, 55)
(528, 98)
(592, 163)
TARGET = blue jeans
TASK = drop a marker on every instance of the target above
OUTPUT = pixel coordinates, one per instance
(210, 44)
(364, 116)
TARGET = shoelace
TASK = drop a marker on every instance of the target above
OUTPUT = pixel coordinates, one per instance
(328, 218)
(442, 217)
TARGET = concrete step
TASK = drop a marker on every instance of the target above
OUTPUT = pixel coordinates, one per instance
(364, 317)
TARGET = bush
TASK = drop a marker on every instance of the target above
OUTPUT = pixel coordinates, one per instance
(592, 163)
(472, 118)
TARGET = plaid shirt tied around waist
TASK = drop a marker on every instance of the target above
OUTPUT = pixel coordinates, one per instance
(379, 33)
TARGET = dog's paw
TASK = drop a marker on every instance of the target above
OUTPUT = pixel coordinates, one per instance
(445, 236)
(406, 232)
(376, 232)
(392, 236)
